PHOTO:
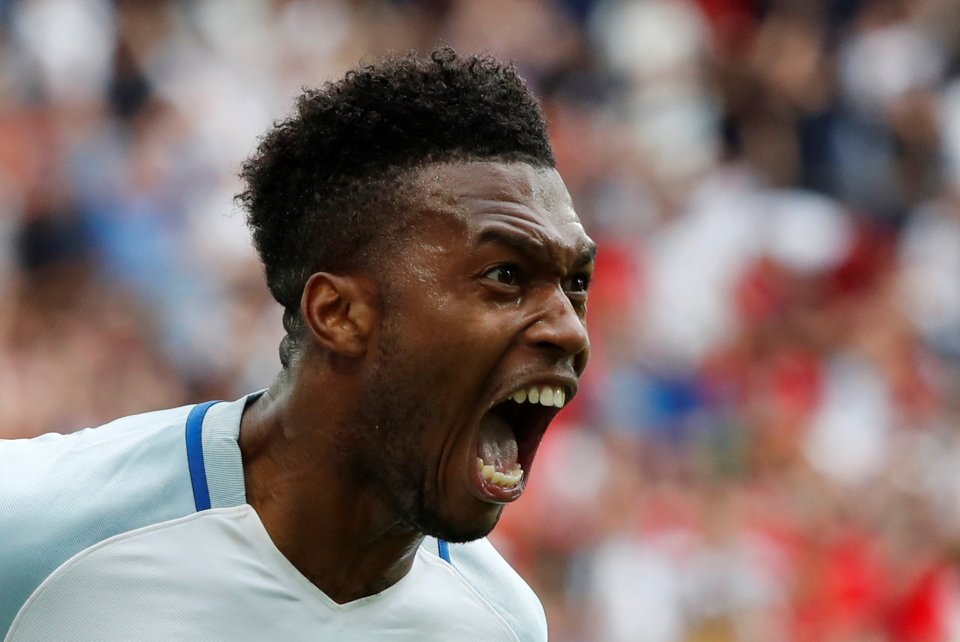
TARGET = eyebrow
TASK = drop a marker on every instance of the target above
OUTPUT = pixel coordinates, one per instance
(531, 247)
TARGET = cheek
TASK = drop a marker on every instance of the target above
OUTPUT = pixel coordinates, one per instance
(455, 340)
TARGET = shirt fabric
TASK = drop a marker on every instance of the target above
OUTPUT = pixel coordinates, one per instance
(154, 518)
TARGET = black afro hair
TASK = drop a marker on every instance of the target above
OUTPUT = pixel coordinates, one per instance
(322, 185)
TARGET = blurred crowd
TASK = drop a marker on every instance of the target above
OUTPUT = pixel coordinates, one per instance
(767, 443)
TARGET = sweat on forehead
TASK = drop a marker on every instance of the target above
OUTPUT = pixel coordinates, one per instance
(451, 186)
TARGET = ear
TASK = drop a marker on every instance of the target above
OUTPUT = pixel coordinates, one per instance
(339, 311)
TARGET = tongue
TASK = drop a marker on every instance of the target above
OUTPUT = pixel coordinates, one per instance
(496, 443)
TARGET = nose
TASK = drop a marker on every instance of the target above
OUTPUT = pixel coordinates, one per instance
(560, 328)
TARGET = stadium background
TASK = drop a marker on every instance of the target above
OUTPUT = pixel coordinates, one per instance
(768, 443)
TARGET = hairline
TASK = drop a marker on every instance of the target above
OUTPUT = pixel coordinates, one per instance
(401, 184)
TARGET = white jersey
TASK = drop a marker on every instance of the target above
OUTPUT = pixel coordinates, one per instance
(122, 484)
(217, 575)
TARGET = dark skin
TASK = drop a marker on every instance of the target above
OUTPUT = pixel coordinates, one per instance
(368, 440)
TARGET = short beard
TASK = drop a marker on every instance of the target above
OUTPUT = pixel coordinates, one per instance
(386, 446)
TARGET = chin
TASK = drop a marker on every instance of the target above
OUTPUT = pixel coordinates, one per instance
(460, 531)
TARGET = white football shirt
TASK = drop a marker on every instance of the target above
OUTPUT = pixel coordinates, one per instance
(60, 494)
(216, 575)
(64, 495)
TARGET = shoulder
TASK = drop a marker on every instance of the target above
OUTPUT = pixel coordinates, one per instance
(37, 462)
(482, 567)
(104, 591)
(58, 476)
(62, 493)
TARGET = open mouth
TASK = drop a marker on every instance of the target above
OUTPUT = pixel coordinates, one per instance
(509, 436)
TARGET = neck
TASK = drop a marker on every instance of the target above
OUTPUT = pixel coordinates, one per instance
(339, 534)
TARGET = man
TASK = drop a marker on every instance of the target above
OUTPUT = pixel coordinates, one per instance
(434, 278)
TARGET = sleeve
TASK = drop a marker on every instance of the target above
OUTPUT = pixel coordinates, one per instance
(60, 494)
(25, 507)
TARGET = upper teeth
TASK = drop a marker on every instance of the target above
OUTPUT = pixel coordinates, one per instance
(543, 395)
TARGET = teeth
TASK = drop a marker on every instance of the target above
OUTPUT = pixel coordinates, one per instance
(504, 480)
(533, 394)
(546, 397)
(554, 396)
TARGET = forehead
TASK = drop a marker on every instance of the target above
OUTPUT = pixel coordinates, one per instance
(493, 200)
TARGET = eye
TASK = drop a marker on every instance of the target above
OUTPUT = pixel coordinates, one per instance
(505, 274)
(578, 283)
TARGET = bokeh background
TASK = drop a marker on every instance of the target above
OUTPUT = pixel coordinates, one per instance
(767, 447)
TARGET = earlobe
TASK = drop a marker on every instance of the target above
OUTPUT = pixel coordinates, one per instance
(338, 311)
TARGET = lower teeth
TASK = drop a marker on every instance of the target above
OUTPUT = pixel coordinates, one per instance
(505, 480)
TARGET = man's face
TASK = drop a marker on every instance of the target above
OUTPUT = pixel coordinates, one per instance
(482, 340)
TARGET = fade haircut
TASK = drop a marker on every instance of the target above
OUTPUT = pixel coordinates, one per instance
(325, 188)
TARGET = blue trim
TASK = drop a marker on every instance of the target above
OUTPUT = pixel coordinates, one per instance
(198, 472)
(444, 549)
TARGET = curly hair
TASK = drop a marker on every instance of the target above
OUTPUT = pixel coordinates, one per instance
(326, 184)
